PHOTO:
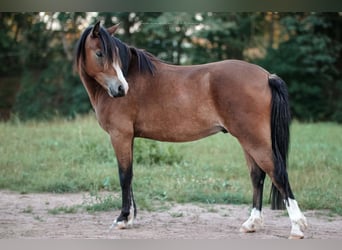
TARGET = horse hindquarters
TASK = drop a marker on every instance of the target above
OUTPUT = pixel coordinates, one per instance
(262, 128)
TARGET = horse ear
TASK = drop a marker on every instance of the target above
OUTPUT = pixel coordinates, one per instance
(113, 29)
(96, 30)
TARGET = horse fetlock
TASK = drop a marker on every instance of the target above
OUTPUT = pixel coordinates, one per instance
(296, 233)
(120, 224)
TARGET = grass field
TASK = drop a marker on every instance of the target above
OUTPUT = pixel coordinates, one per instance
(71, 156)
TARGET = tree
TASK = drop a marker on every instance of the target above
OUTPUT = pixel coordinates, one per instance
(305, 49)
(12, 27)
(48, 85)
(309, 60)
(225, 36)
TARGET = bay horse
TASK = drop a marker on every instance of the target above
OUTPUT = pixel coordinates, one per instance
(134, 94)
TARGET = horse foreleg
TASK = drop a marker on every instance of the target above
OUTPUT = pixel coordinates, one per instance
(255, 221)
(124, 154)
(128, 211)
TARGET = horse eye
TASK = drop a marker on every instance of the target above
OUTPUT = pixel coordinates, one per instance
(99, 53)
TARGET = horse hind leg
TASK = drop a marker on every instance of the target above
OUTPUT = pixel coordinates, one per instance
(255, 221)
(266, 162)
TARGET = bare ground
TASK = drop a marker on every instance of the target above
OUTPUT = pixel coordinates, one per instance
(28, 216)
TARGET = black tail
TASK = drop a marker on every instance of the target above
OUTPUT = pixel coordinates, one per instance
(280, 134)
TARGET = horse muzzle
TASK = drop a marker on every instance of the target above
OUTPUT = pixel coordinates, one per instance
(118, 91)
(116, 88)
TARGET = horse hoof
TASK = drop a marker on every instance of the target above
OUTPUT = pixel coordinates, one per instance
(122, 225)
(252, 225)
(298, 227)
(119, 225)
(247, 230)
(296, 237)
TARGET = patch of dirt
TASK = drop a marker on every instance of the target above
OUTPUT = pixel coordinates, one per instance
(28, 216)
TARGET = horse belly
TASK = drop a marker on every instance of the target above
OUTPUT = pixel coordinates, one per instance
(179, 135)
(182, 129)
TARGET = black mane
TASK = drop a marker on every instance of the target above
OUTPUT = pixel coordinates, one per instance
(80, 47)
(113, 47)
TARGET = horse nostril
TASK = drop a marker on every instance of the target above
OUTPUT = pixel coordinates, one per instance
(121, 89)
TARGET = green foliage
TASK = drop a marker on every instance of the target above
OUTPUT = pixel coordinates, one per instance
(43, 95)
(149, 152)
(308, 62)
(97, 203)
(63, 209)
(41, 57)
(224, 36)
(165, 34)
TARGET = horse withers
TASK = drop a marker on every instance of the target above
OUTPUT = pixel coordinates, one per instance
(134, 94)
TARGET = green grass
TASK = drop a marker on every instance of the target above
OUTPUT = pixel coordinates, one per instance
(72, 156)
(64, 209)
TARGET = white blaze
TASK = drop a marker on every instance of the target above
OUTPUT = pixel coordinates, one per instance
(120, 75)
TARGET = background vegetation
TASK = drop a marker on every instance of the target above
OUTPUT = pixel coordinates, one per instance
(72, 156)
(37, 81)
(46, 146)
